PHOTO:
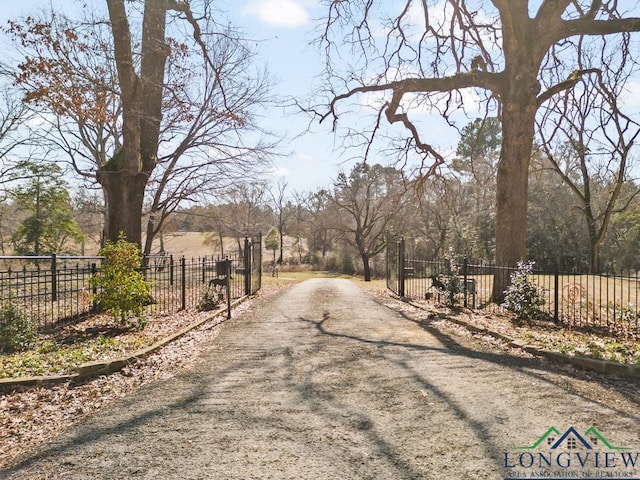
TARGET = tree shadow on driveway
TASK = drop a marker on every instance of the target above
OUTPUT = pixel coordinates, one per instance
(538, 370)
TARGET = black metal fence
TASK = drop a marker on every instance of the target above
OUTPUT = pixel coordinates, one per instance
(53, 289)
(606, 301)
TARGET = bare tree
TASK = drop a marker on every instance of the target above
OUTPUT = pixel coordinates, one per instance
(320, 222)
(216, 107)
(439, 204)
(281, 209)
(431, 54)
(590, 148)
(246, 206)
(13, 114)
(171, 126)
(370, 200)
(299, 225)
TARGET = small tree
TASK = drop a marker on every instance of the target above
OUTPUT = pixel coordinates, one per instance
(272, 241)
(123, 288)
(523, 297)
(45, 197)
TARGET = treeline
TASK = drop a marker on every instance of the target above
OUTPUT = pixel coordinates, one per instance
(575, 222)
(345, 225)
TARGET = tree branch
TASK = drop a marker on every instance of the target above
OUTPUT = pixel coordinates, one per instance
(588, 26)
(478, 79)
(552, 9)
(566, 85)
(183, 7)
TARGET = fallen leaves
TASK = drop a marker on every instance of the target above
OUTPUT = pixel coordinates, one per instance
(36, 415)
(33, 416)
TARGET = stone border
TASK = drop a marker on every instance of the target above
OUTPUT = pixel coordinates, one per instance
(593, 364)
(106, 367)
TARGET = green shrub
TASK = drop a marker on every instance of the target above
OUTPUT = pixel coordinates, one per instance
(523, 297)
(17, 329)
(452, 282)
(122, 289)
(209, 299)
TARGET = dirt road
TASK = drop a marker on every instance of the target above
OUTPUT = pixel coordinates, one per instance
(325, 383)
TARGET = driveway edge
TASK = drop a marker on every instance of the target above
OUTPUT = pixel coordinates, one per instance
(593, 364)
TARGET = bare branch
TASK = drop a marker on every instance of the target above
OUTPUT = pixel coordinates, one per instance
(566, 85)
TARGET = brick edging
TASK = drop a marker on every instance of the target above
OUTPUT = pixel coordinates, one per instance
(593, 364)
(100, 367)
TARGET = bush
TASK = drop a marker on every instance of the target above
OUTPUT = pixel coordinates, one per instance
(523, 297)
(17, 329)
(123, 290)
(348, 267)
(453, 286)
(452, 282)
(209, 299)
(330, 263)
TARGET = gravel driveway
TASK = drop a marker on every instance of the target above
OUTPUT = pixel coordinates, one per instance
(325, 383)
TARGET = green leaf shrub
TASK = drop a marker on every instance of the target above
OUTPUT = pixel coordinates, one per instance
(452, 282)
(122, 289)
(209, 299)
(17, 329)
(523, 297)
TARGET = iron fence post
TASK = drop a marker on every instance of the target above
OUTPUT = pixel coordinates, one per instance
(465, 264)
(386, 263)
(144, 266)
(228, 284)
(183, 282)
(54, 277)
(258, 261)
(556, 296)
(401, 286)
(247, 266)
(94, 290)
(171, 272)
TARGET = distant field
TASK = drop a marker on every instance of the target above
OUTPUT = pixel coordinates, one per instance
(192, 244)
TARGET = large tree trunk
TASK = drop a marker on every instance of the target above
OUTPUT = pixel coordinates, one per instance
(124, 178)
(519, 106)
(511, 196)
(149, 236)
(124, 194)
(366, 267)
(518, 122)
(119, 176)
(594, 242)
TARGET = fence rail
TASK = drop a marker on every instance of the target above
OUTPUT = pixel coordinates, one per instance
(54, 289)
(610, 302)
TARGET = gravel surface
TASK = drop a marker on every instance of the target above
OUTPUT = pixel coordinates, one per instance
(323, 382)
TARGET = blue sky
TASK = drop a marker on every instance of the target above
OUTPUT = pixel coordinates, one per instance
(284, 30)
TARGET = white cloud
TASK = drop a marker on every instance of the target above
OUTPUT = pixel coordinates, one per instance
(279, 171)
(280, 13)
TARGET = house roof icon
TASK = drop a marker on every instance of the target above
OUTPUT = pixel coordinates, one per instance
(572, 440)
(549, 436)
(572, 437)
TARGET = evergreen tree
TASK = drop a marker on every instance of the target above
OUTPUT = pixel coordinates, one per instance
(50, 224)
(272, 241)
